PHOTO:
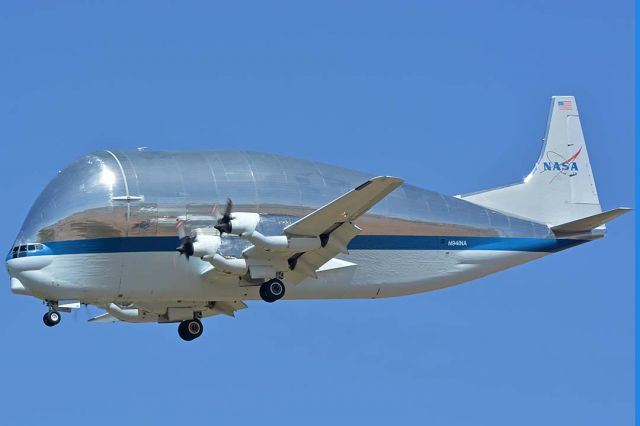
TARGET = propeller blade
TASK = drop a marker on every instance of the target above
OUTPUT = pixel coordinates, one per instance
(227, 210)
(186, 241)
(214, 212)
(180, 228)
(224, 223)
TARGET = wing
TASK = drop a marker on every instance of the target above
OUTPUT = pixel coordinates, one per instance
(344, 209)
(331, 224)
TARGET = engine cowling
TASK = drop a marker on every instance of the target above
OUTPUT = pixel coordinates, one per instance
(129, 314)
(228, 265)
(282, 242)
(243, 222)
(205, 245)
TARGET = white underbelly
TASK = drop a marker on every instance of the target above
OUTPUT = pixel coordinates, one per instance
(164, 276)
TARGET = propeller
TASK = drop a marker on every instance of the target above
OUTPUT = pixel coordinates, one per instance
(186, 241)
(224, 222)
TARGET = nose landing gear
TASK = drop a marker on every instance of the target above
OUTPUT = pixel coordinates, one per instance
(190, 329)
(272, 290)
(51, 318)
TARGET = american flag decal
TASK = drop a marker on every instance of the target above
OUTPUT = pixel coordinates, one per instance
(567, 105)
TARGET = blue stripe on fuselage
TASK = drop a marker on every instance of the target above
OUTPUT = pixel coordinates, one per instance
(361, 242)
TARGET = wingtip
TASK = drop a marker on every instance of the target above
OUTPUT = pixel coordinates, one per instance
(390, 179)
(621, 210)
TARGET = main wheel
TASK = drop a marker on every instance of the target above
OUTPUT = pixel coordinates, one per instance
(272, 290)
(51, 318)
(190, 329)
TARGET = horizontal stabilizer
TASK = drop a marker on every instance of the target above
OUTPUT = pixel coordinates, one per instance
(589, 223)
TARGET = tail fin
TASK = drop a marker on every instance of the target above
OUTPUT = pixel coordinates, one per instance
(560, 188)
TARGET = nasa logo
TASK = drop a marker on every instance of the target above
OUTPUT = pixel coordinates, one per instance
(563, 165)
(560, 166)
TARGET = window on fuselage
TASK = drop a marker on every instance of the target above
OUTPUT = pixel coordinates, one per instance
(21, 251)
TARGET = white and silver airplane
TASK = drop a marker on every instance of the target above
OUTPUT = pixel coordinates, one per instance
(105, 230)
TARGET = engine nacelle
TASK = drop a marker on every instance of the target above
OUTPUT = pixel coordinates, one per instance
(230, 266)
(205, 245)
(243, 222)
(282, 242)
(130, 314)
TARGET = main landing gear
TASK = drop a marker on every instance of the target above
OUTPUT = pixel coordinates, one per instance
(190, 329)
(51, 318)
(272, 290)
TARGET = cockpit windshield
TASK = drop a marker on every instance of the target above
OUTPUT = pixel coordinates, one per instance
(25, 250)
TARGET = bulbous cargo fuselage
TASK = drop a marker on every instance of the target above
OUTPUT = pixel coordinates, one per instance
(104, 229)
(143, 235)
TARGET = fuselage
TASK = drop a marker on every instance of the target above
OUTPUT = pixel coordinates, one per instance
(104, 230)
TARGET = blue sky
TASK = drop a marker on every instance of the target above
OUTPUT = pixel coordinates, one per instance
(452, 97)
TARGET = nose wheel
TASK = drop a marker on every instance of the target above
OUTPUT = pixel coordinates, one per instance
(51, 318)
(272, 290)
(190, 329)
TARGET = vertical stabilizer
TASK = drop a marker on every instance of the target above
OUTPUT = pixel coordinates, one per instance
(560, 188)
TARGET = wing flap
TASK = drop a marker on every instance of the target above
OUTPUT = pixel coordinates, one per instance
(104, 318)
(307, 264)
(228, 308)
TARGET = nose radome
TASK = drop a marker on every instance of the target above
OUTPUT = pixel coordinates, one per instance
(23, 264)
(26, 272)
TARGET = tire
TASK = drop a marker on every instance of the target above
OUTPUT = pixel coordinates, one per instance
(190, 329)
(51, 318)
(264, 296)
(272, 290)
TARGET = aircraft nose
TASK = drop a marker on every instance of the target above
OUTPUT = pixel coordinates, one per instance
(25, 267)
(17, 287)
(16, 284)
(7, 263)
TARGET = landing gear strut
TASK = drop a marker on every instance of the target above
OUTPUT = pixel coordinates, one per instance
(51, 318)
(190, 329)
(272, 290)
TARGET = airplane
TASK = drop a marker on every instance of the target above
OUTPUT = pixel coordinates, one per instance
(174, 237)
